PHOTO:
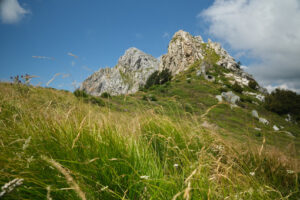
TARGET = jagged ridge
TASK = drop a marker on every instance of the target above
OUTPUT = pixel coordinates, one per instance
(135, 66)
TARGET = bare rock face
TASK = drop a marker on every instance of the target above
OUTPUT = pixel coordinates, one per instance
(131, 72)
(225, 59)
(183, 50)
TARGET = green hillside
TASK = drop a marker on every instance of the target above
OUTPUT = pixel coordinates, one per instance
(171, 141)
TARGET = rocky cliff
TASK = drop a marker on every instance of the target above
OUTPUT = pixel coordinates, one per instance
(135, 66)
(184, 49)
(131, 72)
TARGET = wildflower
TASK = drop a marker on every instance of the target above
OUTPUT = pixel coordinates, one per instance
(290, 171)
(144, 177)
(252, 173)
(10, 186)
(175, 165)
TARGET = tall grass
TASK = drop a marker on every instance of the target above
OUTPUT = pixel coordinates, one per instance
(65, 148)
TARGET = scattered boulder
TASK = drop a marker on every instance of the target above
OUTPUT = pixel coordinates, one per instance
(289, 134)
(230, 97)
(260, 97)
(275, 128)
(219, 97)
(255, 114)
(263, 120)
(288, 118)
(198, 73)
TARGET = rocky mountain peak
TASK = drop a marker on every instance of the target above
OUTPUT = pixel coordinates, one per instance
(184, 49)
(135, 66)
(135, 59)
(131, 72)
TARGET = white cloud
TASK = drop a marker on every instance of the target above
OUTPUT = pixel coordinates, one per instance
(11, 11)
(43, 57)
(271, 88)
(269, 30)
(73, 55)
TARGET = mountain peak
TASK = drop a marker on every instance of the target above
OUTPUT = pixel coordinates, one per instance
(135, 66)
(131, 72)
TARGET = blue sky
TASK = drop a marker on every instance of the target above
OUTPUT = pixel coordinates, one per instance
(98, 32)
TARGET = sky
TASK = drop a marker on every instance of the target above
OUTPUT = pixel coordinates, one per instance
(62, 42)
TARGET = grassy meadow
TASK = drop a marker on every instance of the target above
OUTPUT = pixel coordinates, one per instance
(181, 144)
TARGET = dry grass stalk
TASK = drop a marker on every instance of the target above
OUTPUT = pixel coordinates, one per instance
(79, 132)
(68, 177)
(262, 147)
(48, 193)
(187, 191)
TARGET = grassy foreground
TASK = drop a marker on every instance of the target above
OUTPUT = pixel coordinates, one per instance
(60, 147)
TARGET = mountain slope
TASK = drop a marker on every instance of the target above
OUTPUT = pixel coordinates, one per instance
(202, 135)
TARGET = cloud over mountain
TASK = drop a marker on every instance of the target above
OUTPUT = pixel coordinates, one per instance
(268, 29)
(11, 11)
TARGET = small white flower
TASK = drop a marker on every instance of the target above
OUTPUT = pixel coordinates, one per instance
(175, 165)
(290, 171)
(144, 177)
(252, 173)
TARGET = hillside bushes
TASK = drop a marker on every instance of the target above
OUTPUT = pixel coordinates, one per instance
(253, 84)
(158, 78)
(88, 98)
(237, 88)
(283, 102)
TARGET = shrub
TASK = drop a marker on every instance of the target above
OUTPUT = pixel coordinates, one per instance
(88, 98)
(283, 102)
(253, 84)
(237, 88)
(246, 99)
(222, 89)
(105, 95)
(158, 78)
(80, 93)
(95, 100)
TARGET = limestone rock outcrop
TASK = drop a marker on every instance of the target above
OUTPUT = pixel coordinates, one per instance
(184, 49)
(131, 72)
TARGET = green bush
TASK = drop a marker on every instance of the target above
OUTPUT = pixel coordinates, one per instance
(80, 93)
(237, 88)
(88, 98)
(246, 99)
(283, 102)
(95, 100)
(158, 78)
(222, 89)
(253, 84)
(105, 95)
